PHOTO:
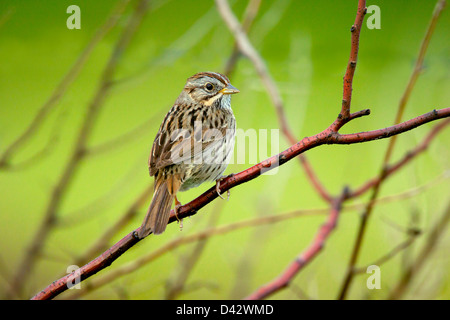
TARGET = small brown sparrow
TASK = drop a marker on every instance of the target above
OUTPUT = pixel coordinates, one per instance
(193, 145)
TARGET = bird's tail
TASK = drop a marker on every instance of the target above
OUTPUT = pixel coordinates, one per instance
(159, 211)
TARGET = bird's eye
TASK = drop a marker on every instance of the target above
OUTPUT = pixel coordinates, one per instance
(209, 86)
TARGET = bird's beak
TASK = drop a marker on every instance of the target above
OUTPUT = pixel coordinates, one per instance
(229, 90)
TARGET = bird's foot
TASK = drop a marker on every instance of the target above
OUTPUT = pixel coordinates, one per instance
(218, 186)
(177, 206)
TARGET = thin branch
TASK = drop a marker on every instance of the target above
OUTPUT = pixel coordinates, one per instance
(335, 138)
(344, 115)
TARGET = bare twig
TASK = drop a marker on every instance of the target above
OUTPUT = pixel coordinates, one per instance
(345, 115)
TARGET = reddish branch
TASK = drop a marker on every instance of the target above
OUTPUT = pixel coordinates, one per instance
(351, 66)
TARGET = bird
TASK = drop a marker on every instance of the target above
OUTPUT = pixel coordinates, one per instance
(194, 144)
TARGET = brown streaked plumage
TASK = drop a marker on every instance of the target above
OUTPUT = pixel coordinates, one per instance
(193, 145)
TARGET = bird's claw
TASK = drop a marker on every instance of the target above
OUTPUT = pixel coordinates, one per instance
(218, 187)
(177, 206)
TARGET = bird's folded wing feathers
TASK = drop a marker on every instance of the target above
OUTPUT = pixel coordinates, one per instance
(184, 147)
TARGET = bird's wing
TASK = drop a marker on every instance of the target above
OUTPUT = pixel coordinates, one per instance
(184, 146)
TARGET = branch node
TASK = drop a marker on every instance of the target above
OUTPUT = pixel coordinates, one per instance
(300, 260)
(4, 164)
(135, 235)
(268, 164)
(414, 232)
(353, 28)
(361, 113)
(346, 192)
(81, 152)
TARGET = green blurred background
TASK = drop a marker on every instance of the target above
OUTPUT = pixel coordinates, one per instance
(306, 47)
